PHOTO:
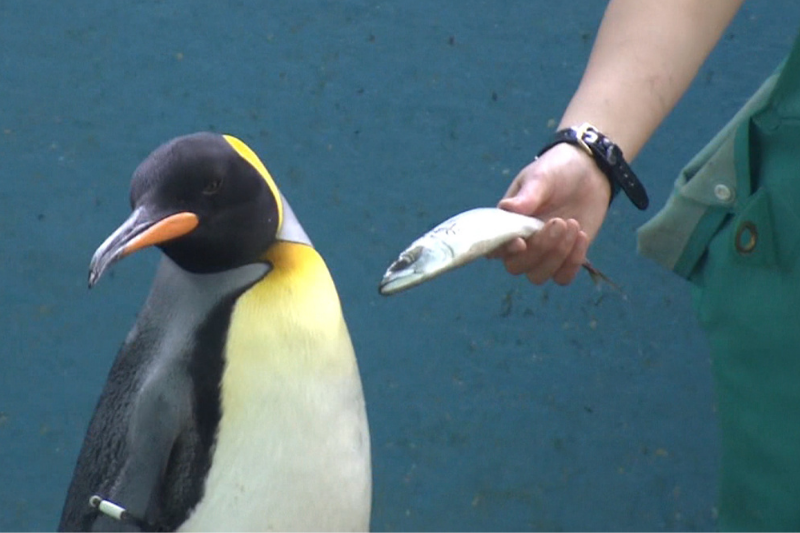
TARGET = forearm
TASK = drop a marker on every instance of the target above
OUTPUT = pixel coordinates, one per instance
(645, 56)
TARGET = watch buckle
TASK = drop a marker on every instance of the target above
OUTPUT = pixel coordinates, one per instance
(584, 134)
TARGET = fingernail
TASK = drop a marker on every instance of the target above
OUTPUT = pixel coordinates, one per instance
(555, 231)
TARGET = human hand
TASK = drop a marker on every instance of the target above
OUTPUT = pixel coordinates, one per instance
(565, 188)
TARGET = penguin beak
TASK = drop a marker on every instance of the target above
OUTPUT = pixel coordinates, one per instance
(139, 231)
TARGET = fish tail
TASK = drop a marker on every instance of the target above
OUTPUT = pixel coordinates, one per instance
(598, 277)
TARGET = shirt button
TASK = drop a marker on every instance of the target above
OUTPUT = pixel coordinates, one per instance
(723, 193)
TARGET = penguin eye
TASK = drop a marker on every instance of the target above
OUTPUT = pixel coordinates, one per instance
(212, 187)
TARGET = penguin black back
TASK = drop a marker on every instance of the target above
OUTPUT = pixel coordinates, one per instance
(103, 459)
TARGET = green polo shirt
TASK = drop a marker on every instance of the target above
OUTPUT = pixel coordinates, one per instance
(732, 227)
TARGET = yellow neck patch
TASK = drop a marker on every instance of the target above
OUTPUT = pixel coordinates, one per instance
(289, 323)
(250, 156)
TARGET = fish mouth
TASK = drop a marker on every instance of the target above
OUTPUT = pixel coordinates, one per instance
(392, 284)
(403, 273)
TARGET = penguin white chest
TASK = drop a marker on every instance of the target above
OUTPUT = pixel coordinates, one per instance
(292, 449)
(296, 459)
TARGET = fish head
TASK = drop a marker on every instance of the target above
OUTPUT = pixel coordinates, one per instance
(419, 262)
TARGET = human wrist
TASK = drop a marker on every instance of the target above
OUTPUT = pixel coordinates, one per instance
(607, 156)
(594, 182)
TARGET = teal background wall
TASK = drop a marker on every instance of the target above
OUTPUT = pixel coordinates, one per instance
(494, 404)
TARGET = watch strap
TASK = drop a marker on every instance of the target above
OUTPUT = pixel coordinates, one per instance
(609, 159)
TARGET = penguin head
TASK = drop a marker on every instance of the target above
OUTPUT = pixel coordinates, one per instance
(205, 199)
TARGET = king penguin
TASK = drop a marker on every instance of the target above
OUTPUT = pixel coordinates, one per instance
(235, 402)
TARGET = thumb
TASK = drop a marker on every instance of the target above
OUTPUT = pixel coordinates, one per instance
(530, 195)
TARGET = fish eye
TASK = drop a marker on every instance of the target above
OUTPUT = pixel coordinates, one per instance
(406, 259)
(212, 187)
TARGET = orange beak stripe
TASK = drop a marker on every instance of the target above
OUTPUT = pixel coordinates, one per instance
(172, 227)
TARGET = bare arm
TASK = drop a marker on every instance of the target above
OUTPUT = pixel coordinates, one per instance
(645, 56)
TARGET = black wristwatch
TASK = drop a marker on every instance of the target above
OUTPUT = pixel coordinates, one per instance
(608, 157)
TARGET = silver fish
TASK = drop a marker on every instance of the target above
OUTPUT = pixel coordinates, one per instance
(458, 241)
